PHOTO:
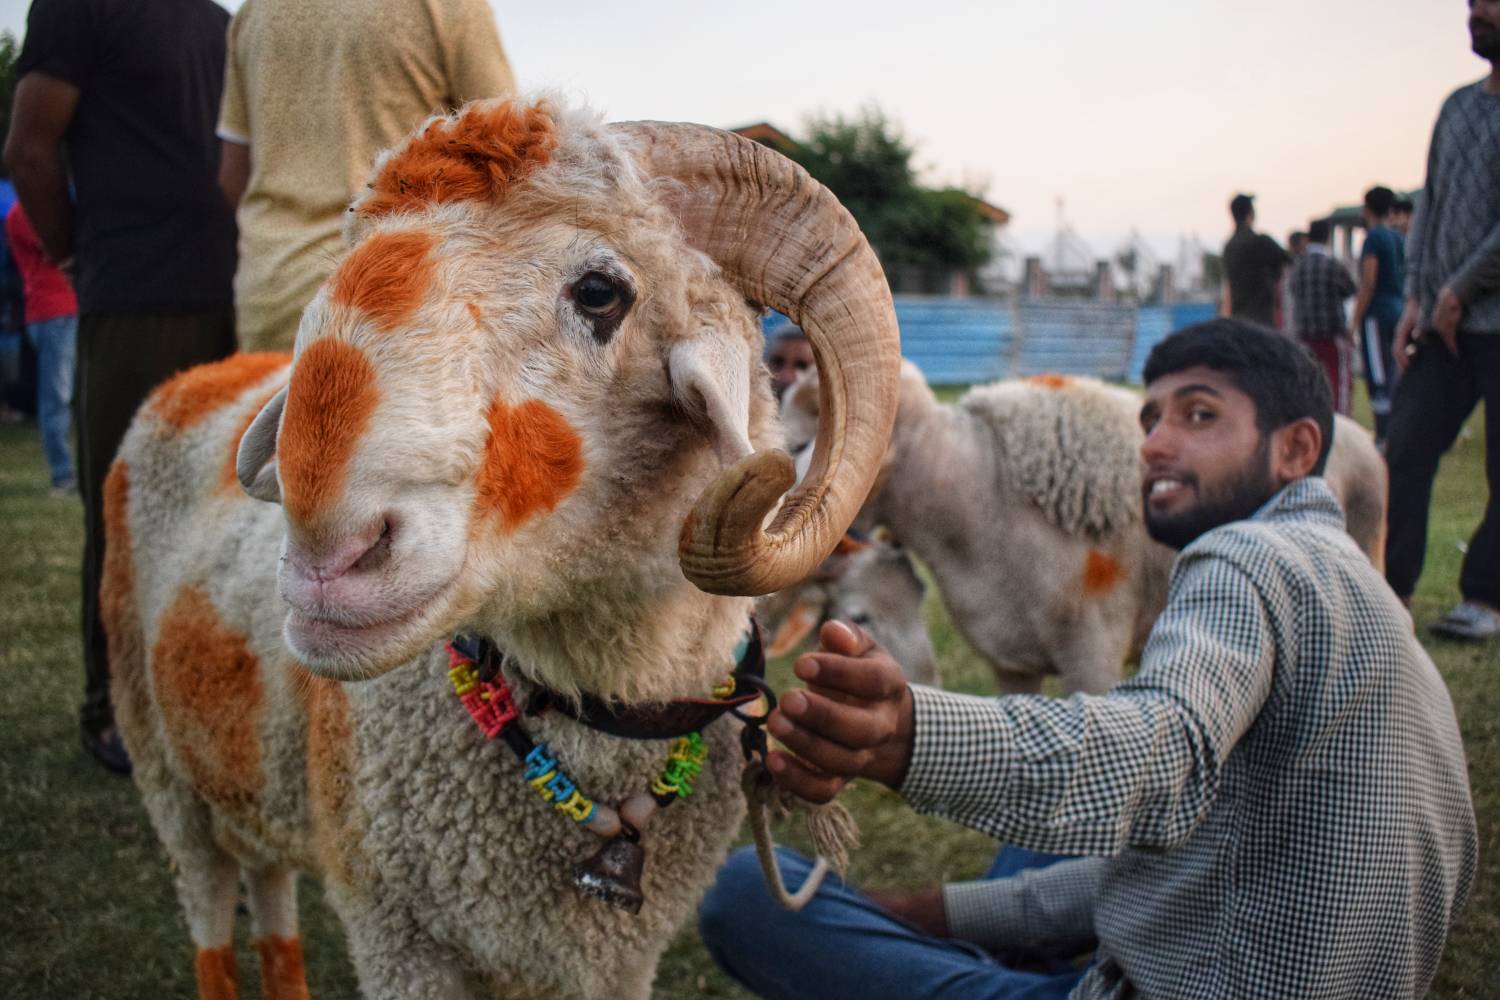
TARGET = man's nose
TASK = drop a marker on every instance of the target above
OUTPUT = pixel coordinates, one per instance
(1158, 444)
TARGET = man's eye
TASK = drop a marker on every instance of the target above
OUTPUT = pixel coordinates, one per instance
(1199, 415)
(803, 366)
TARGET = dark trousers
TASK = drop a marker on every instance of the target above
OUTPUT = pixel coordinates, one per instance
(1433, 399)
(121, 358)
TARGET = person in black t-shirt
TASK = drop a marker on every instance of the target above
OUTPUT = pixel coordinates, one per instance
(132, 88)
(1253, 263)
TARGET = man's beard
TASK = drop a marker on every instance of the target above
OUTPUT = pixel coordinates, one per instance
(1235, 500)
(1484, 39)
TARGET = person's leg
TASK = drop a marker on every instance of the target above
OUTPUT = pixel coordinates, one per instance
(843, 945)
(121, 358)
(1379, 370)
(1479, 579)
(1335, 366)
(1432, 399)
(54, 340)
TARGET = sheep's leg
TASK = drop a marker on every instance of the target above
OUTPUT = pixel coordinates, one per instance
(1091, 657)
(272, 896)
(207, 880)
(1011, 682)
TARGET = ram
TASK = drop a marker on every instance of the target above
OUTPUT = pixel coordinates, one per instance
(527, 409)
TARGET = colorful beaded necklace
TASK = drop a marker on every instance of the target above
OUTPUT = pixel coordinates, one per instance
(474, 670)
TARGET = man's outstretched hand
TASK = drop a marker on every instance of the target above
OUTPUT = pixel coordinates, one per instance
(854, 719)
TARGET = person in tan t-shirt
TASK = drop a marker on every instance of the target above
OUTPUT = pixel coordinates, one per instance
(313, 90)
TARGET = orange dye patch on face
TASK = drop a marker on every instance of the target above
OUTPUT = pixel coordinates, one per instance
(229, 479)
(386, 276)
(282, 974)
(1102, 573)
(215, 972)
(189, 396)
(532, 460)
(476, 156)
(328, 407)
(1050, 381)
(209, 688)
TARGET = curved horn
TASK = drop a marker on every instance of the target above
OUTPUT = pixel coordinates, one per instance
(786, 242)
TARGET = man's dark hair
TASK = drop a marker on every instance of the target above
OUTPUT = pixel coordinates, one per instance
(1379, 201)
(1319, 231)
(1241, 207)
(1281, 378)
(1404, 205)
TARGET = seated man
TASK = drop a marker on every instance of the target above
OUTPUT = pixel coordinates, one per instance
(1276, 804)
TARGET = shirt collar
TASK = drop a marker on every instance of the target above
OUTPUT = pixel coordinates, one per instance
(1317, 249)
(1308, 498)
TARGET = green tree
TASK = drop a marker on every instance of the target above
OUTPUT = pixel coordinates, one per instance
(866, 161)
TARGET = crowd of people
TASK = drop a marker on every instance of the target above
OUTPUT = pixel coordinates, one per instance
(1275, 804)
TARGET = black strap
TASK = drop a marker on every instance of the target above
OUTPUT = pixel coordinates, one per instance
(642, 722)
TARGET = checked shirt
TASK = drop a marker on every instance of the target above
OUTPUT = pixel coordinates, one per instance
(1319, 286)
(1276, 804)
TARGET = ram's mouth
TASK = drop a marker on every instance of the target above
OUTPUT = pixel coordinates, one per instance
(338, 648)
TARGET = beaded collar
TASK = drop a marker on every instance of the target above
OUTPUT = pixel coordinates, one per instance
(613, 873)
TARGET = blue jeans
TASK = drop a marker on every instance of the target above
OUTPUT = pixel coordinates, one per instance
(843, 945)
(56, 342)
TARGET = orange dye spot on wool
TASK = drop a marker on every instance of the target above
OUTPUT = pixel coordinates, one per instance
(474, 311)
(1102, 573)
(386, 276)
(1050, 381)
(208, 685)
(328, 407)
(215, 971)
(532, 460)
(189, 396)
(476, 156)
(282, 974)
(330, 772)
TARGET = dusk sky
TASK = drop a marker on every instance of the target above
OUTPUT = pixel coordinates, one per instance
(1144, 115)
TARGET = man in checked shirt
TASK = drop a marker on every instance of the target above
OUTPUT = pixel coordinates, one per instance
(1275, 805)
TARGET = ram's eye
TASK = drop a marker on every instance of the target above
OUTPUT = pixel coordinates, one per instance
(603, 301)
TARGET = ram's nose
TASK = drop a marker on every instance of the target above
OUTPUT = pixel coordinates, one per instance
(325, 572)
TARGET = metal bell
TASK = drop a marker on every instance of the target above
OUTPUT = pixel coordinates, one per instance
(614, 872)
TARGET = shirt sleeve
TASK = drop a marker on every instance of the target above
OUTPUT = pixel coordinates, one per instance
(1047, 911)
(475, 59)
(1416, 234)
(59, 41)
(1275, 254)
(1346, 283)
(1137, 767)
(234, 110)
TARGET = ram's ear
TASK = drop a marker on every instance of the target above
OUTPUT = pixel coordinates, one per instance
(255, 464)
(711, 381)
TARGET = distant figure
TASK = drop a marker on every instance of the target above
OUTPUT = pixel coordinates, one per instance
(1448, 339)
(1319, 286)
(1401, 213)
(314, 89)
(1378, 304)
(789, 356)
(132, 88)
(1252, 264)
(1296, 245)
(52, 328)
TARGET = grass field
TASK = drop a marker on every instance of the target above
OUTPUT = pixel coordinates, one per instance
(86, 905)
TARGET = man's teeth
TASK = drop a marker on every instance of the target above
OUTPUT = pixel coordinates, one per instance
(1163, 485)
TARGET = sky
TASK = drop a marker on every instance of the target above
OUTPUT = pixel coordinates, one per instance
(1133, 116)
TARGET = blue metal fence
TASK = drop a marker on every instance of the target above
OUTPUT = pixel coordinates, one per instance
(964, 341)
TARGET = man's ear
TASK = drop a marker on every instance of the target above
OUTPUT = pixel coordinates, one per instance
(1295, 449)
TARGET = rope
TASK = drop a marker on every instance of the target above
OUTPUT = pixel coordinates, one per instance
(832, 829)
